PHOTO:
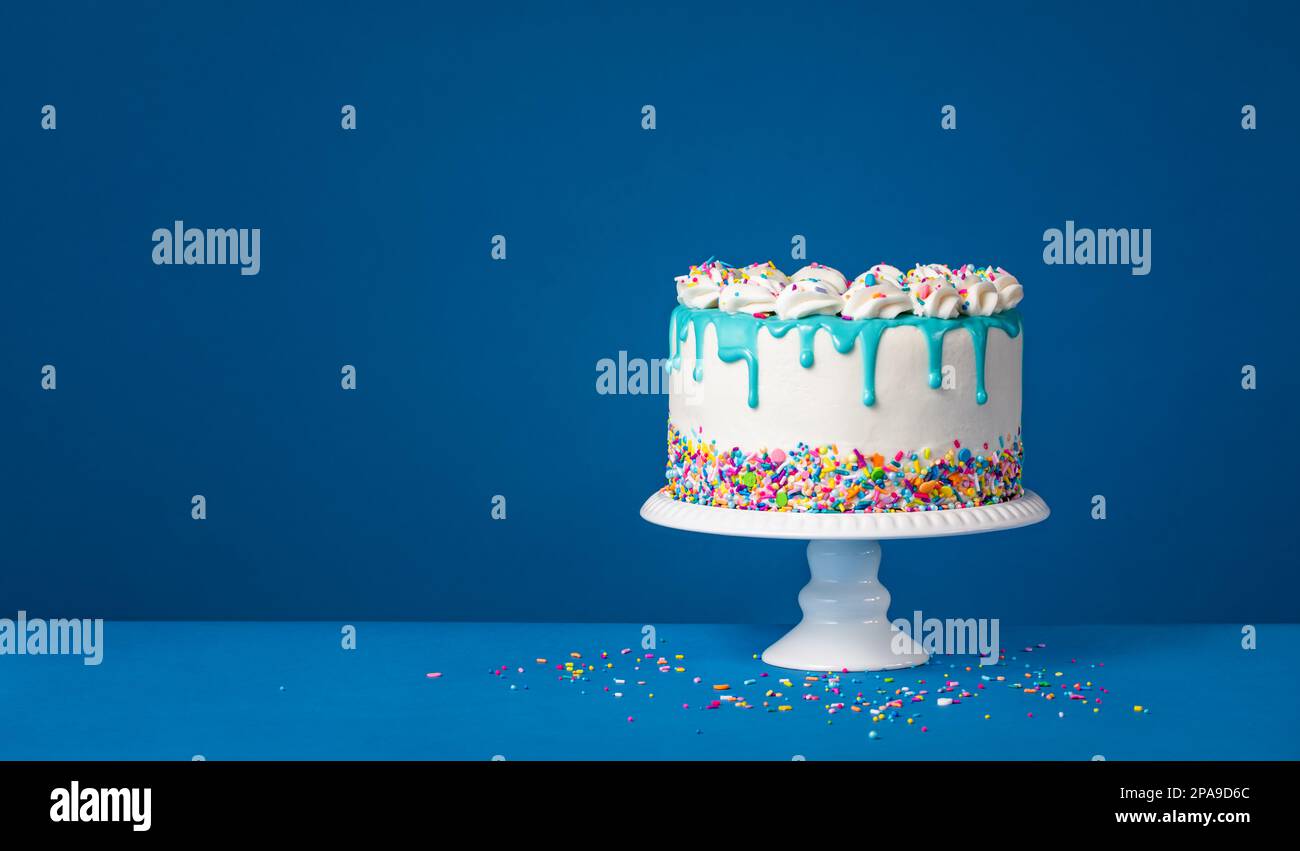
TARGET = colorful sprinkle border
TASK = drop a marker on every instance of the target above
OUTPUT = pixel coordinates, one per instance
(824, 479)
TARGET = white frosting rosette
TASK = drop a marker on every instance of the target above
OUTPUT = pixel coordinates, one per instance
(753, 289)
(813, 289)
(1010, 292)
(979, 295)
(933, 292)
(701, 287)
(876, 294)
(882, 292)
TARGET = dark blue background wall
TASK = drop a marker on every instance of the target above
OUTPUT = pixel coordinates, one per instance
(477, 377)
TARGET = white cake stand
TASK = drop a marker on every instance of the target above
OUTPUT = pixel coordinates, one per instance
(845, 622)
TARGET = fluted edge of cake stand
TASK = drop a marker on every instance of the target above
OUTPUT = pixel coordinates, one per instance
(663, 510)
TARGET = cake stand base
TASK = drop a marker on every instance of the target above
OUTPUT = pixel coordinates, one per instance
(845, 622)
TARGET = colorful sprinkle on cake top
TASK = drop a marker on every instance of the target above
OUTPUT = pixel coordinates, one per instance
(883, 291)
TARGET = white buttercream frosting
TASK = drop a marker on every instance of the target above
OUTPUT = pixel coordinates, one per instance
(753, 289)
(881, 292)
(877, 294)
(933, 291)
(1009, 290)
(813, 289)
(979, 295)
(701, 286)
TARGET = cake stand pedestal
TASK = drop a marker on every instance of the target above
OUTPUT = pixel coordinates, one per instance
(845, 622)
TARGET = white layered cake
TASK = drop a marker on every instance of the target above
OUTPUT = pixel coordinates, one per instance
(811, 393)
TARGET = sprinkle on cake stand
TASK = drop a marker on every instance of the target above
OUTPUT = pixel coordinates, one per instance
(845, 624)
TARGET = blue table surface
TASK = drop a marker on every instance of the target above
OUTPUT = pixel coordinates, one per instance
(174, 691)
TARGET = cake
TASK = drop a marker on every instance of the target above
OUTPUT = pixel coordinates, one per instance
(812, 393)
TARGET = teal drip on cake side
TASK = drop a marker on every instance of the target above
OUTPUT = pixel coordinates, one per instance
(738, 340)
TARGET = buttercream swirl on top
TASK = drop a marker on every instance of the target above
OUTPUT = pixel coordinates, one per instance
(1009, 290)
(979, 295)
(700, 287)
(933, 291)
(882, 292)
(753, 289)
(876, 294)
(813, 289)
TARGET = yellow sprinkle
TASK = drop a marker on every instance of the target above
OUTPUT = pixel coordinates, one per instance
(1137, 708)
(784, 708)
(986, 717)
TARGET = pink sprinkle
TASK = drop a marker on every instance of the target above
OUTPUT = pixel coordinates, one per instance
(435, 675)
(629, 719)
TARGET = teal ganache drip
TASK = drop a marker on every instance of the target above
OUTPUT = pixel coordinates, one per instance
(738, 340)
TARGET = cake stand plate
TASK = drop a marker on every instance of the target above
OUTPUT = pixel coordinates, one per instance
(845, 624)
